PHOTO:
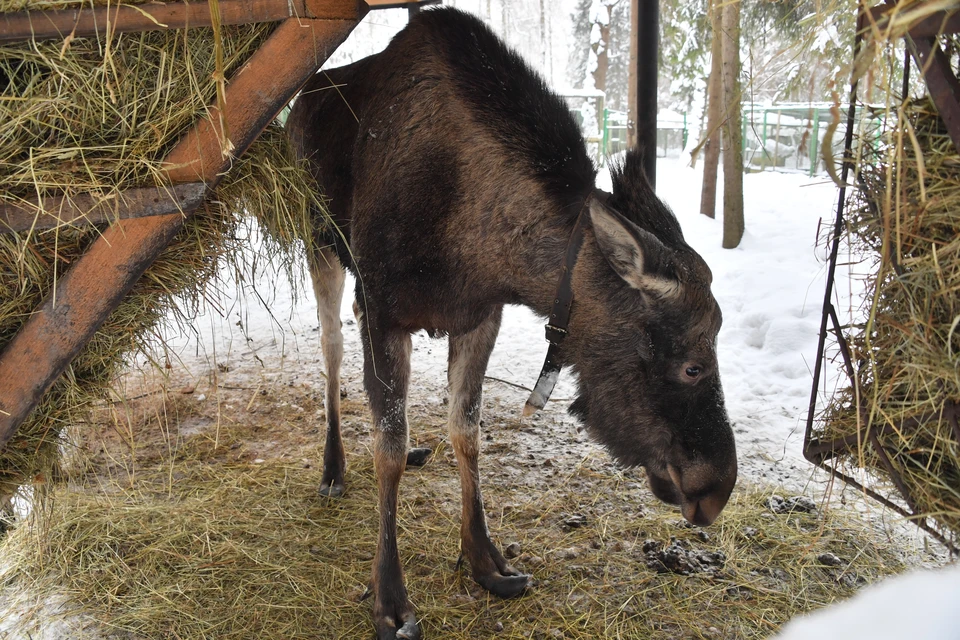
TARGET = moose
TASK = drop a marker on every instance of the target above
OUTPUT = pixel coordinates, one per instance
(460, 183)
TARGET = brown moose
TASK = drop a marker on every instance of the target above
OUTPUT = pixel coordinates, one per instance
(456, 179)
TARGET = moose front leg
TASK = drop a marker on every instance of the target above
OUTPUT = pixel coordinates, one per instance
(328, 278)
(469, 354)
(386, 377)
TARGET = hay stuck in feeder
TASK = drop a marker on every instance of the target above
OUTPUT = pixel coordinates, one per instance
(906, 352)
(96, 116)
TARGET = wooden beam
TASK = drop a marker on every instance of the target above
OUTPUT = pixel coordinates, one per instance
(936, 24)
(399, 4)
(83, 210)
(98, 281)
(943, 85)
(58, 24)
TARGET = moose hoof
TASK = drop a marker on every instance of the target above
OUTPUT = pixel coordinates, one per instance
(418, 456)
(387, 629)
(331, 490)
(504, 586)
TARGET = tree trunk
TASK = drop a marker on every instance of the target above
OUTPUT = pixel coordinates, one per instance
(732, 137)
(503, 20)
(543, 39)
(632, 76)
(711, 149)
(601, 51)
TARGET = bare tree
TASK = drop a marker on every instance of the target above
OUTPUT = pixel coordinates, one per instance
(711, 148)
(732, 136)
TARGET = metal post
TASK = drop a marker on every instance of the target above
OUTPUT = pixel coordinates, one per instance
(763, 139)
(606, 132)
(648, 45)
(814, 142)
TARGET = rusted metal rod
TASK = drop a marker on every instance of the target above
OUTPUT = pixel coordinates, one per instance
(98, 281)
(61, 211)
(943, 85)
(155, 16)
(938, 23)
(56, 24)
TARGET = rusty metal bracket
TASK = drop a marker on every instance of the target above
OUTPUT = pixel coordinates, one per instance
(943, 84)
(157, 16)
(86, 209)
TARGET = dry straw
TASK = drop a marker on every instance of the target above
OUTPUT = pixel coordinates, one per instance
(95, 116)
(165, 539)
(907, 349)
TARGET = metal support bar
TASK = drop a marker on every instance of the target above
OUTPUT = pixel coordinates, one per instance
(834, 246)
(98, 281)
(58, 24)
(943, 85)
(648, 46)
(938, 23)
(61, 211)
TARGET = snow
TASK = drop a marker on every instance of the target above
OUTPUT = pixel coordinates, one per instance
(920, 605)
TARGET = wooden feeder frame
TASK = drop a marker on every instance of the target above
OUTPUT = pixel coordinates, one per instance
(150, 218)
(944, 88)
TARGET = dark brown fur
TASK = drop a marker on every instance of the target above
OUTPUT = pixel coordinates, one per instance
(455, 177)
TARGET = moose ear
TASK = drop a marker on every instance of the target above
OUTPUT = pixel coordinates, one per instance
(635, 254)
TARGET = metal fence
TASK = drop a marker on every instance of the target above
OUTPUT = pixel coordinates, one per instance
(776, 137)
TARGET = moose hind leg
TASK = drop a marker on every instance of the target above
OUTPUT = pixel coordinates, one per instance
(328, 278)
(386, 376)
(469, 354)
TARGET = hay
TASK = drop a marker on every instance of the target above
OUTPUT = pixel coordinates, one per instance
(96, 117)
(168, 538)
(907, 350)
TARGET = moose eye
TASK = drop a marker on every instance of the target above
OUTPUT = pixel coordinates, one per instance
(693, 372)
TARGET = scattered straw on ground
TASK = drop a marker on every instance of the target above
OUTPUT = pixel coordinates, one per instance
(183, 535)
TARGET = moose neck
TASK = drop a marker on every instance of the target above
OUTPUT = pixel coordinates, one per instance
(552, 244)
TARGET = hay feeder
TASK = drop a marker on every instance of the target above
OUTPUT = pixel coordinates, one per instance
(871, 434)
(145, 219)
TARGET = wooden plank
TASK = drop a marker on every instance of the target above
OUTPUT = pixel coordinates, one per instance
(84, 210)
(57, 24)
(943, 85)
(399, 4)
(98, 281)
(936, 24)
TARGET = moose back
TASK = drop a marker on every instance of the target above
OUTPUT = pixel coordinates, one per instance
(459, 183)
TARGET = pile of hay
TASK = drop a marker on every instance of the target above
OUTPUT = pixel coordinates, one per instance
(177, 532)
(907, 350)
(95, 116)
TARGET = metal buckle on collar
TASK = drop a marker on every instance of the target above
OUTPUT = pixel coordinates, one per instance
(555, 334)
